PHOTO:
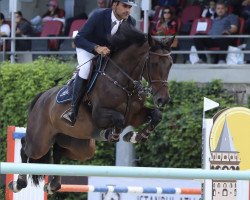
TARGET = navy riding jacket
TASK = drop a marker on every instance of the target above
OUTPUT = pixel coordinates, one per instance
(96, 30)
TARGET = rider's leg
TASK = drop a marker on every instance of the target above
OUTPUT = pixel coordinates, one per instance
(80, 85)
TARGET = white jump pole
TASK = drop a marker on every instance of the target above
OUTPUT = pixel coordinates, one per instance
(114, 171)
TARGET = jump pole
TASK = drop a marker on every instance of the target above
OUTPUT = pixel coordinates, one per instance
(129, 189)
(114, 171)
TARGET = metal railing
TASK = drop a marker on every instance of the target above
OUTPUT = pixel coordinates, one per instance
(5, 52)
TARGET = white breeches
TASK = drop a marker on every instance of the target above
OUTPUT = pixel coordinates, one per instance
(83, 57)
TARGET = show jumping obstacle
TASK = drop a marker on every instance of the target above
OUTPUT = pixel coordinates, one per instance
(14, 136)
(115, 171)
(129, 189)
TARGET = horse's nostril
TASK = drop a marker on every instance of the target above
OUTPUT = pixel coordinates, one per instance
(163, 101)
(160, 102)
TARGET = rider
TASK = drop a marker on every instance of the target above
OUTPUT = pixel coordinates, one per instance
(92, 39)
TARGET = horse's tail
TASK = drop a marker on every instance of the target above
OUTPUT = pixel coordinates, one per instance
(32, 104)
(45, 159)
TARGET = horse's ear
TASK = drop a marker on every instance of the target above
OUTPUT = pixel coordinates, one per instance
(151, 41)
(168, 42)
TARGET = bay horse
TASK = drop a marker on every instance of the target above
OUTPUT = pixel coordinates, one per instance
(117, 100)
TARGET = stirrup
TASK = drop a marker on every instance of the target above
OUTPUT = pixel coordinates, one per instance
(66, 117)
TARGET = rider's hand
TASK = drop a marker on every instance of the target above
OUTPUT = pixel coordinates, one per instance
(102, 50)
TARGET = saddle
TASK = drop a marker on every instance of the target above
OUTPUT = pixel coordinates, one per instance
(65, 93)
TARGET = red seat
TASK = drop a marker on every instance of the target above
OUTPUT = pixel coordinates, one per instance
(230, 9)
(178, 20)
(195, 23)
(241, 30)
(190, 13)
(76, 25)
(52, 28)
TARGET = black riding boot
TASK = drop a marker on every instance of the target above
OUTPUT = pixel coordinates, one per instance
(78, 93)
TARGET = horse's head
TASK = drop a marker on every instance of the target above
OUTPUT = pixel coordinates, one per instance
(157, 69)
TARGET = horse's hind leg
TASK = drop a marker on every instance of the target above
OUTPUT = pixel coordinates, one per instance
(21, 182)
(55, 184)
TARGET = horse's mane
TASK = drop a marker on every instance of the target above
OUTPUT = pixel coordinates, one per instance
(126, 36)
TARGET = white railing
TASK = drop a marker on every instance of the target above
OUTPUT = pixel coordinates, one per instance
(5, 52)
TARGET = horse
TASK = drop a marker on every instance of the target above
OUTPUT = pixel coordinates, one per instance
(116, 101)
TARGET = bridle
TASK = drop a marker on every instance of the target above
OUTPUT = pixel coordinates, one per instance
(150, 80)
(137, 85)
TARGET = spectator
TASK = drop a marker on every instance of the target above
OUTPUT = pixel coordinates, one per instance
(223, 24)
(167, 24)
(53, 13)
(4, 28)
(209, 12)
(23, 29)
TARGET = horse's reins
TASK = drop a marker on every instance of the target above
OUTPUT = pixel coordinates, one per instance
(138, 87)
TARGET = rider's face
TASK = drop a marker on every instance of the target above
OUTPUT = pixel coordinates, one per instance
(122, 10)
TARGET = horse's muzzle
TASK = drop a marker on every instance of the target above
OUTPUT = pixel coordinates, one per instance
(161, 102)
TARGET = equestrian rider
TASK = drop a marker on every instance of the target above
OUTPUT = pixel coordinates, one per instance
(92, 39)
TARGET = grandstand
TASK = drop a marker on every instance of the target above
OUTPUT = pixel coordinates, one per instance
(188, 18)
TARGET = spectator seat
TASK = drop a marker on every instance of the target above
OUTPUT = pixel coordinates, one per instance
(189, 14)
(52, 28)
(76, 25)
(67, 44)
(195, 31)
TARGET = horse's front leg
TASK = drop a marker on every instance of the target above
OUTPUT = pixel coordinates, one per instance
(105, 118)
(148, 116)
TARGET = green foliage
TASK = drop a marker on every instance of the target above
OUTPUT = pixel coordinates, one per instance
(20, 83)
(177, 139)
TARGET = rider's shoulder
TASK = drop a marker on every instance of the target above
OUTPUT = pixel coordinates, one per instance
(101, 12)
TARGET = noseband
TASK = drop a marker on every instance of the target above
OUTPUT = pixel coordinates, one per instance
(150, 80)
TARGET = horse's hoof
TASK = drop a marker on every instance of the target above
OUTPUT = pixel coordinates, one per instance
(13, 186)
(51, 190)
(130, 137)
